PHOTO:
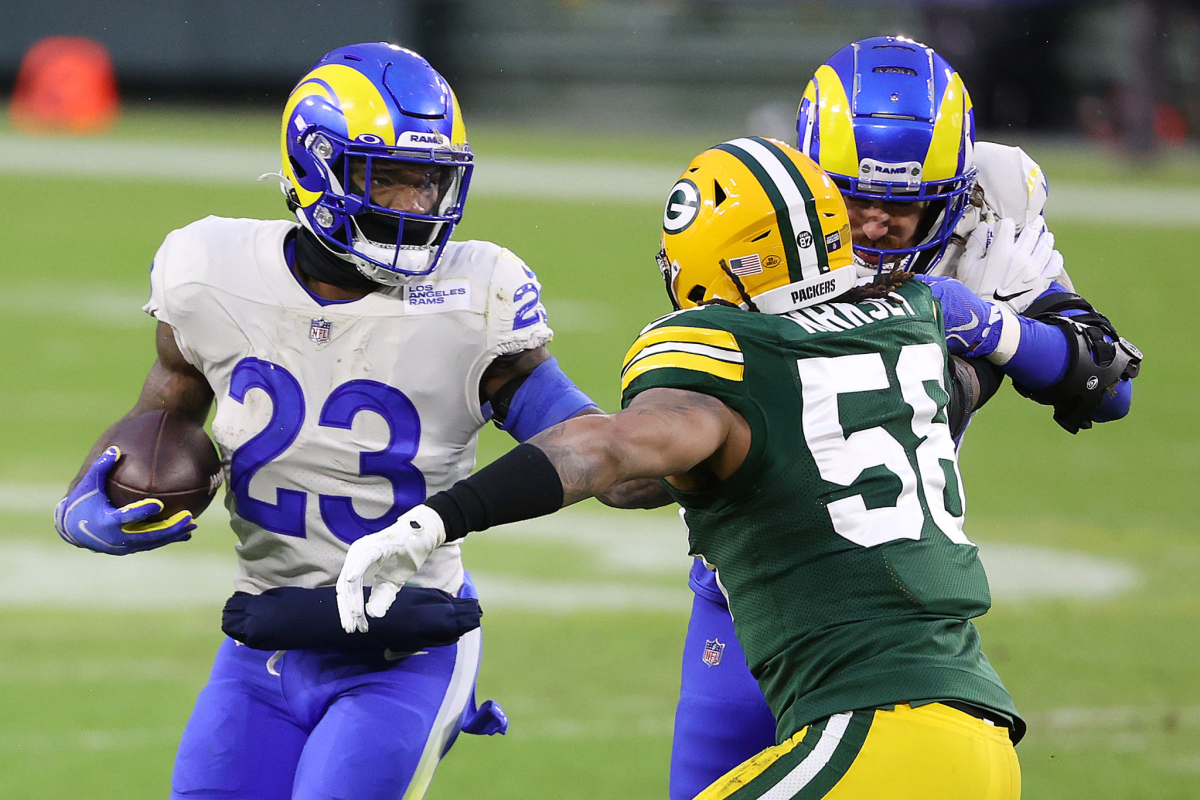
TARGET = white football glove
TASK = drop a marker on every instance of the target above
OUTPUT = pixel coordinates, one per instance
(391, 557)
(1001, 267)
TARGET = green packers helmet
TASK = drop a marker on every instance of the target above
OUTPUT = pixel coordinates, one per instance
(756, 223)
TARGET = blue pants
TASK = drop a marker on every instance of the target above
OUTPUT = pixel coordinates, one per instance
(319, 725)
(722, 718)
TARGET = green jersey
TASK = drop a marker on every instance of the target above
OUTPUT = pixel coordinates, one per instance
(838, 542)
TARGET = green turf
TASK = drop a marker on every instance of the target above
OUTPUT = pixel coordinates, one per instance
(93, 702)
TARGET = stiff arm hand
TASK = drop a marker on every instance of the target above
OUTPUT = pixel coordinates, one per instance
(974, 327)
(687, 437)
(391, 557)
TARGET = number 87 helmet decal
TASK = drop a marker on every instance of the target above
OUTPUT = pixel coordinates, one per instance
(891, 121)
(367, 122)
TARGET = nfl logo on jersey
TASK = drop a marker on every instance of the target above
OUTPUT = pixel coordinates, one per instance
(319, 330)
(713, 650)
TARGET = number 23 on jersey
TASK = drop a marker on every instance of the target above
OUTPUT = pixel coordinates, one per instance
(394, 462)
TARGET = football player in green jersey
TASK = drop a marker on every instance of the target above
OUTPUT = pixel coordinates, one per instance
(805, 426)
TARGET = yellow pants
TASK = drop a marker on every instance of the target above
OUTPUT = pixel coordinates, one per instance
(932, 752)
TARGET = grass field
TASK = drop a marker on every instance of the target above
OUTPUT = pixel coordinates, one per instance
(95, 692)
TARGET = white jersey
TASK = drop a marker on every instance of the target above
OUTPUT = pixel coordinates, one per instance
(334, 418)
(1013, 186)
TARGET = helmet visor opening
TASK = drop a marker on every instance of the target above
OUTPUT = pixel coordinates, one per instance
(409, 187)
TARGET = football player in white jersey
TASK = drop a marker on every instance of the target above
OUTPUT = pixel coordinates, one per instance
(353, 356)
(892, 124)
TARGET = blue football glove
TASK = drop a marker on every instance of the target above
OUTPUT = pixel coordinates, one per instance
(87, 519)
(973, 326)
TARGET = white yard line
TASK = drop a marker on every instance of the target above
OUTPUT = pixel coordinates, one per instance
(631, 554)
(97, 304)
(528, 178)
(1108, 729)
(1086, 718)
(15, 742)
(30, 498)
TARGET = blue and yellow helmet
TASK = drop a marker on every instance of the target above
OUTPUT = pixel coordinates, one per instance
(889, 119)
(357, 109)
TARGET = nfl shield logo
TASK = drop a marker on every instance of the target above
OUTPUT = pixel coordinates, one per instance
(318, 332)
(713, 650)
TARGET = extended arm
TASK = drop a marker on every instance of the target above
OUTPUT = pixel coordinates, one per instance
(528, 393)
(1059, 352)
(85, 517)
(664, 433)
(686, 437)
(1070, 356)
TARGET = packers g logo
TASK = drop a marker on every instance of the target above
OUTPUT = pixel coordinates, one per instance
(683, 205)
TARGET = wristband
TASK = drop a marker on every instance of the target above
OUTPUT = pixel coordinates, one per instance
(1010, 337)
(521, 484)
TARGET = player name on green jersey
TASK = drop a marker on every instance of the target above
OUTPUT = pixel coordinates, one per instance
(839, 540)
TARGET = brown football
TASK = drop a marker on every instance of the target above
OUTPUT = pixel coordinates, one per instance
(166, 456)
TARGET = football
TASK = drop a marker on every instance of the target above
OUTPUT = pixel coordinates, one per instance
(166, 456)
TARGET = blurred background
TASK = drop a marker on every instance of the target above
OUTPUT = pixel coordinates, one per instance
(150, 115)
(1123, 71)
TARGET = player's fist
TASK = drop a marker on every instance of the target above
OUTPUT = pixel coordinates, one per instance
(1002, 267)
(391, 557)
(86, 518)
(973, 326)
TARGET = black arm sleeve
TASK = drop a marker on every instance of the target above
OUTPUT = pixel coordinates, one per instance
(521, 484)
(973, 381)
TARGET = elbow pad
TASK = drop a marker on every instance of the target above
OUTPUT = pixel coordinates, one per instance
(1097, 358)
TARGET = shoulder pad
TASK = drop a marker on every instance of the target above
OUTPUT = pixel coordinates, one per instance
(516, 317)
(670, 342)
(665, 317)
(1013, 184)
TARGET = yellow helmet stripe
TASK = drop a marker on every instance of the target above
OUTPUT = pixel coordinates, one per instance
(365, 109)
(305, 89)
(810, 94)
(941, 161)
(689, 361)
(681, 335)
(839, 149)
(458, 128)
